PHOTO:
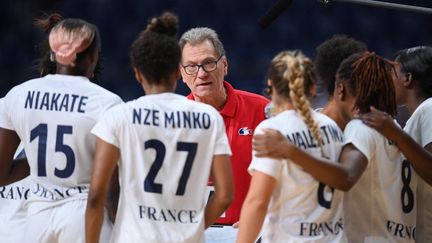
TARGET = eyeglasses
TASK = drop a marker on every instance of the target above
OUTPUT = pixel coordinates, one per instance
(208, 66)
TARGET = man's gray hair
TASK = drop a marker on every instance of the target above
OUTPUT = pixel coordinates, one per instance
(200, 34)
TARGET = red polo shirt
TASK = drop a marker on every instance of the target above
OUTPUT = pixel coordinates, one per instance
(242, 112)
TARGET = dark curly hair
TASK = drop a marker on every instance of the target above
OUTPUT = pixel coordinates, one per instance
(331, 53)
(156, 52)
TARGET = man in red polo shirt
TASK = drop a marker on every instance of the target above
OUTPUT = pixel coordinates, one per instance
(203, 68)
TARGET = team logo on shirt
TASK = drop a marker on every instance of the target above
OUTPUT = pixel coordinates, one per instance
(244, 131)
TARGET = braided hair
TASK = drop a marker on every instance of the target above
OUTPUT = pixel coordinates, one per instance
(369, 78)
(289, 71)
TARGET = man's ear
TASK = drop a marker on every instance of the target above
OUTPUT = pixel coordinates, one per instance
(225, 63)
(182, 73)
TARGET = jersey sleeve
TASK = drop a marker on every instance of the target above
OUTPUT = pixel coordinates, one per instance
(5, 119)
(108, 102)
(362, 137)
(222, 145)
(107, 126)
(271, 167)
(425, 126)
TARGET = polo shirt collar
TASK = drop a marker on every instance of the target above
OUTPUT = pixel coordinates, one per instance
(230, 106)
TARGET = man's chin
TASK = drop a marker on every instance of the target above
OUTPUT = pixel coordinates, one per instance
(203, 91)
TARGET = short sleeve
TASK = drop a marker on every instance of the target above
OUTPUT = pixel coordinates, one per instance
(271, 167)
(109, 102)
(425, 126)
(362, 137)
(222, 144)
(5, 118)
(108, 125)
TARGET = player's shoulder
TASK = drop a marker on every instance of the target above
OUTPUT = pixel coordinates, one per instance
(356, 129)
(426, 108)
(323, 119)
(356, 124)
(101, 91)
(35, 82)
(101, 97)
(120, 107)
(274, 122)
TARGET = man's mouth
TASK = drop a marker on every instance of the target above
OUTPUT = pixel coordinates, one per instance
(204, 84)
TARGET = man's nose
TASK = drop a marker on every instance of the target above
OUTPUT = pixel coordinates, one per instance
(201, 72)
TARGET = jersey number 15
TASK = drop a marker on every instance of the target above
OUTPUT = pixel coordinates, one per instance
(41, 132)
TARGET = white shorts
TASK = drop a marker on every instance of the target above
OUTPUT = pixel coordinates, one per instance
(63, 224)
(220, 234)
(11, 231)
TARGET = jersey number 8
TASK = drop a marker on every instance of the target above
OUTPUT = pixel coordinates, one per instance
(321, 197)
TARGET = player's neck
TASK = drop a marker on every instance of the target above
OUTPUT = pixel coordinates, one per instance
(67, 70)
(335, 113)
(281, 105)
(157, 89)
(414, 100)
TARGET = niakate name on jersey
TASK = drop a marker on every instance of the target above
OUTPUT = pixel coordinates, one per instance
(38, 100)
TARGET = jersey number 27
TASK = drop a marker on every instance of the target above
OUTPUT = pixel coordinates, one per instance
(149, 183)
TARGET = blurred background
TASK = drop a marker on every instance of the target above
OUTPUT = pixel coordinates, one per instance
(249, 48)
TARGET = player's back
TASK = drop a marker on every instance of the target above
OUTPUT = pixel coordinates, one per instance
(301, 208)
(53, 117)
(419, 127)
(167, 145)
(380, 207)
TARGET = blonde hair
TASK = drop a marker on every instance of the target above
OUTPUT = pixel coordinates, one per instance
(294, 68)
(66, 41)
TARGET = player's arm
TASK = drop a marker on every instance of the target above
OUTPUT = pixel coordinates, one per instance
(255, 207)
(10, 170)
(341, 175)
(420, 158)
(104, 164)
(221, 176)
(113, 196)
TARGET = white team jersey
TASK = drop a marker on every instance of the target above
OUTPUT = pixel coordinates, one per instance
(419, 127)
(12, 212)
(167, 144)
(53, 117)
(301, 208)
(380, 206)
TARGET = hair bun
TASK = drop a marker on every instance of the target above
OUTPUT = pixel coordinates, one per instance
(166, 24)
